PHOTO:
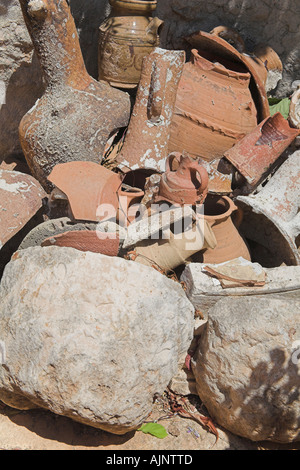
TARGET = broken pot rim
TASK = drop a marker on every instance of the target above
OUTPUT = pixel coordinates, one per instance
(219, 217)
(197, 58)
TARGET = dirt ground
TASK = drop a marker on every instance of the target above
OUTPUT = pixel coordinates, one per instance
(43, 430)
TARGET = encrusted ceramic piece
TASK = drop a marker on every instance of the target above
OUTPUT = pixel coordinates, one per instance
(173, 250)
(258, 153)
(76, 114)
(218, 211)
(86, 240)
(21, 196)
(94, 192)
(125, 38)
(214, 108)
(185, 181)
(294, 113)
(146, 141)
(271, 217)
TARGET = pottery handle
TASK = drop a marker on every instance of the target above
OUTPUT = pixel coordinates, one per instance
(203, 178)
(153, 28)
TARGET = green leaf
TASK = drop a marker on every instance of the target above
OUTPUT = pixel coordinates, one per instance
(281, 106)
(155, 429)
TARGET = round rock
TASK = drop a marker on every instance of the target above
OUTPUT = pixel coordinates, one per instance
(247, 367)
(88, 336)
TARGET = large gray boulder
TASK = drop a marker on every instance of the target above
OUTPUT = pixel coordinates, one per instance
(247, 367)
(90, 337)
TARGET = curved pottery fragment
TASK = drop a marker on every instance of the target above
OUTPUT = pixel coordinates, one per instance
(76, 114)
(271, 217)
(94, 192)
(146, 142)
(21, 196)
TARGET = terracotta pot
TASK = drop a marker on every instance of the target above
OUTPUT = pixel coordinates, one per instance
(125, 38)
(218, 211)
(76, 114)
(146, 141)
(214, 108)
(217, 49)
(185, 181)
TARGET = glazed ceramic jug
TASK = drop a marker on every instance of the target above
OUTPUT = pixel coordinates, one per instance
(125, 38)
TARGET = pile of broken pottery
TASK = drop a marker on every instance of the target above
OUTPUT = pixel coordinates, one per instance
(152, 241)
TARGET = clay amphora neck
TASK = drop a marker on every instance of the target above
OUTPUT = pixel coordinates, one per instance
(55, 39)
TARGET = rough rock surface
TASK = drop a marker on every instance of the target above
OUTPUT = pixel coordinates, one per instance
(247, 367)
(273, 23)
(89, 337)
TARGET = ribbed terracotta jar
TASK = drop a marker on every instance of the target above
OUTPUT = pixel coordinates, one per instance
(214, 108)
(218, 212)
(125, 38)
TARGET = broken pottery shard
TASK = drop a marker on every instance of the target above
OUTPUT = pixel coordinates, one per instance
(21, 196)
(257, 154)
(94, 192)
(76, 115)
(86, 240)
(204, 290)
(272, 218)
(146, 141)
(150, 226)
(247, 367)
(90, 337)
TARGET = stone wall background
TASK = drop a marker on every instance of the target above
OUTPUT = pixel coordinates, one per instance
(275, 22)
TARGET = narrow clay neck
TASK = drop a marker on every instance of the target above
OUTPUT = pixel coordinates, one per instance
(132, 7)
(55, 39)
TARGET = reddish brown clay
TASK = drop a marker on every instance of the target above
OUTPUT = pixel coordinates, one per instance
(214, 108)
(184, 182)
(86, 240)
(76, 114)
(230, 35)
(268, 56)
(217, 49)
(258, 152)
(94, 192)
(146, 141)
(218, 212)
(21, 196)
